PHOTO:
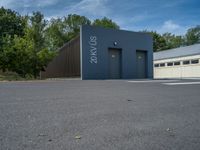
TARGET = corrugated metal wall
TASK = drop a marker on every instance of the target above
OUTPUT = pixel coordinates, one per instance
(177, 71)
(66, 63)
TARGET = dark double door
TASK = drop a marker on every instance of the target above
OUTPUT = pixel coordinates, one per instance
(115, 64)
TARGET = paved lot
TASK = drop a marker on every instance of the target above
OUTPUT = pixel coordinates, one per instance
(99, 115)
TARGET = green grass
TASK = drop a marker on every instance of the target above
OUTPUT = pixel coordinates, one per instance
(10, 76)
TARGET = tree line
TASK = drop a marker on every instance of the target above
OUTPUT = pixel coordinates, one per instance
(168, 40)
(29, 42)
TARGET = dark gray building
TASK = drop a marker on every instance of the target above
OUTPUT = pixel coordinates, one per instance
(100, 53)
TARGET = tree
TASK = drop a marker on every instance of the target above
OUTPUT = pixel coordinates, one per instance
(193, 35)
(159, 42)
(5, 49)
(73, 23)
(62, 30)
(20, 56)
(36, 34)
(106, 23)
(27, 54)
(173, 41)
(11, 24)
(56, 34)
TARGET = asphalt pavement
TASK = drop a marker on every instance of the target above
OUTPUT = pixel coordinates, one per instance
(100, 115)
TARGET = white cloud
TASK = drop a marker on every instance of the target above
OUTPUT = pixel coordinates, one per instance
(89, 7)
(167, 4)
(172, 27)
(7, 3)
(44, 3)
(27, 3)
(133, 22)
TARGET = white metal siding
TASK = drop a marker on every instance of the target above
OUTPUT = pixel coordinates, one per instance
(181, 71)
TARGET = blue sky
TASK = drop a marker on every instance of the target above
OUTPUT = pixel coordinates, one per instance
(174, 16)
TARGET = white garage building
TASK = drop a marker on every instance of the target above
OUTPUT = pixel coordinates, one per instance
(183, 62)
